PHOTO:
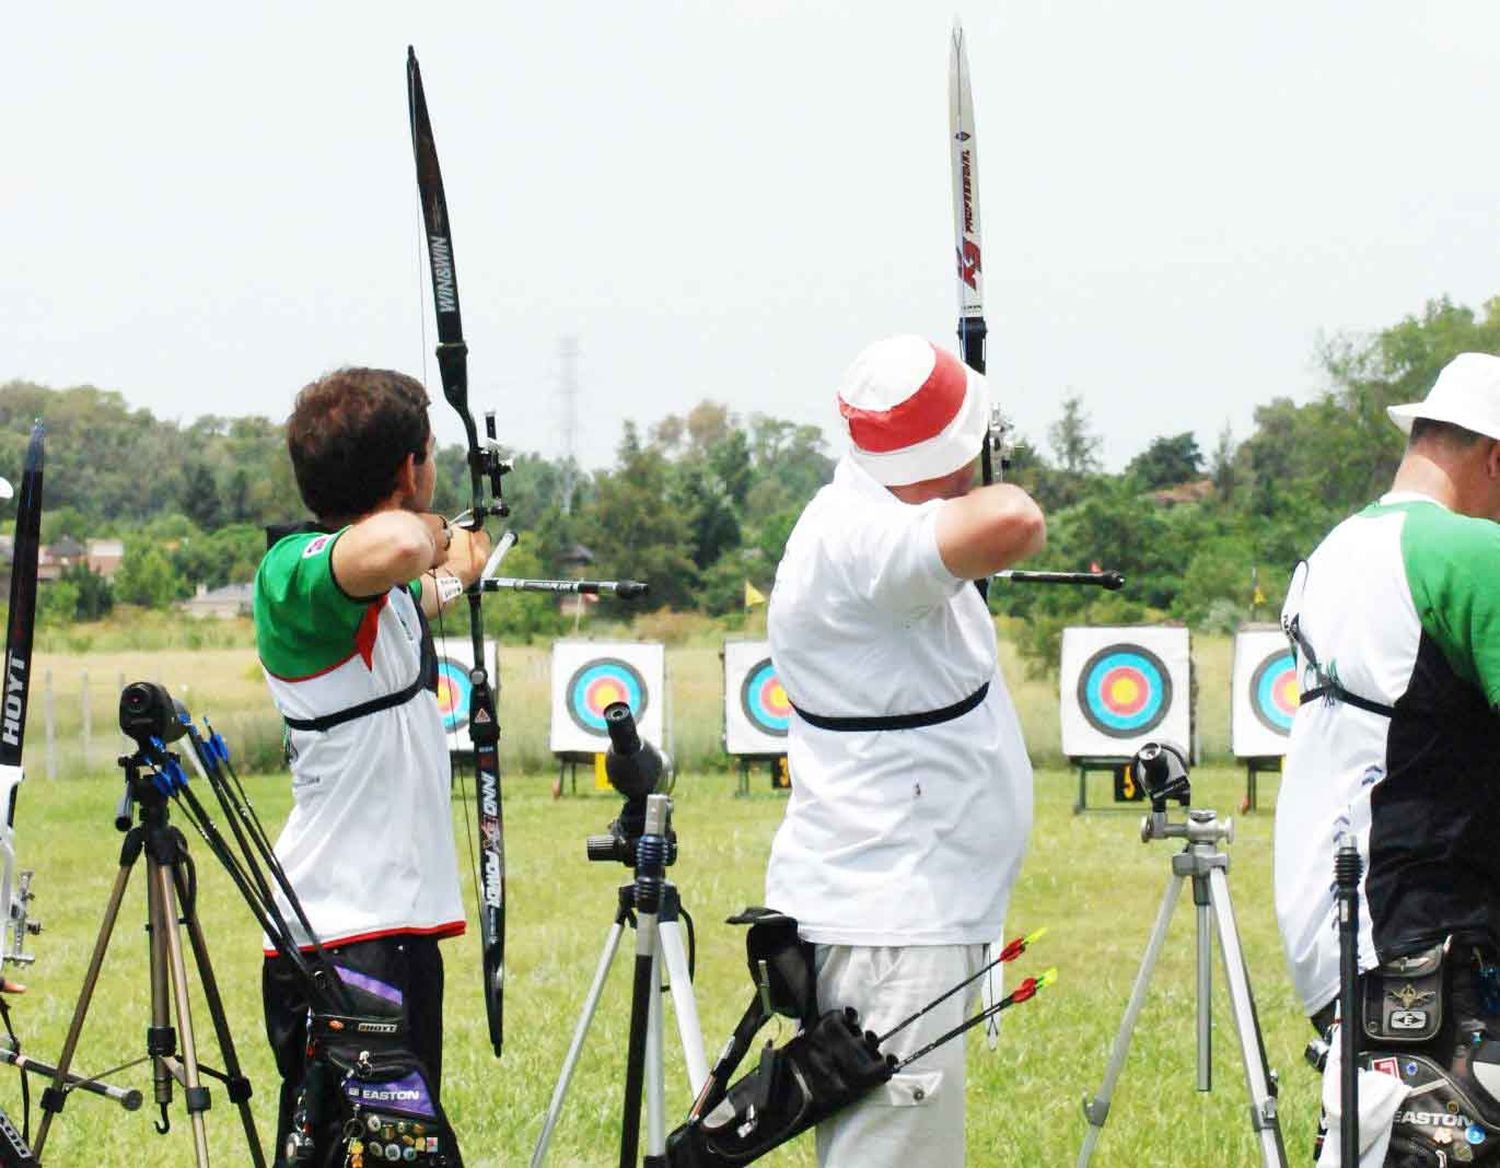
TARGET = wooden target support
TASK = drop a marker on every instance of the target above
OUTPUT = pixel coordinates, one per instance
(1266, 764)
(776, 764)
(1125, 790)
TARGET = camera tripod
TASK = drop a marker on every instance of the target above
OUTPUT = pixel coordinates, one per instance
(170, 907)
(650, 903)
(1204, 863)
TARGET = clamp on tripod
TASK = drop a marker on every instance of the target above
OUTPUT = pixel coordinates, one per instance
(1161, 770)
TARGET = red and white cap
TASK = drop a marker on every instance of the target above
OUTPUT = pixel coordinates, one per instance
(913, 411)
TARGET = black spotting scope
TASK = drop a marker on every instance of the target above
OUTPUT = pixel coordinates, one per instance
(635, 767)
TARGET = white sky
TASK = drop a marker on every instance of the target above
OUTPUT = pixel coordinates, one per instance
(204, 206)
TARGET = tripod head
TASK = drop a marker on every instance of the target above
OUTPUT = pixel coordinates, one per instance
(1161, 770)
(637, 770)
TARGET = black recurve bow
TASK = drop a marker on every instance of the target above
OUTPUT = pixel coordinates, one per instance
(963, 150)
(485, 465)
(15, 886)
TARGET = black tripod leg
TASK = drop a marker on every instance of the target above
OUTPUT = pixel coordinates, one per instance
(237, 1084)
(55, 1095)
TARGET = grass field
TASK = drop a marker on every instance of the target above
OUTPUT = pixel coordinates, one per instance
(1087, 877)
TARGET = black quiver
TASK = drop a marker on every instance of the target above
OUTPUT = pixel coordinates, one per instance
(829, 1064)
(366, 1097)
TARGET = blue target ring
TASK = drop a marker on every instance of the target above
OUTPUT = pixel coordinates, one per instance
(764, 701)
(1274, 691)
(597, 684)
(1124, 691)
(453, 692)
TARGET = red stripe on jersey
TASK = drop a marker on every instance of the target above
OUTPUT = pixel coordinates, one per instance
(369, 629)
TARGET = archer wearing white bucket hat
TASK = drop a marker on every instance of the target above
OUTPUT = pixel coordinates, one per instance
(1396, 620)
(1466, 394)
(911, 787)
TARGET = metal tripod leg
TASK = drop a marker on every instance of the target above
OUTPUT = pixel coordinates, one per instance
(580, 1032)
(1258, 1080)
(169, 923)
(53, 1096)
(684, 1004)
(236, 1084)
(1097, 1108)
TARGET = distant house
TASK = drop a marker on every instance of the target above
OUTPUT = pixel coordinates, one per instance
(104, 556)
(224, 603)
(51, 559)
(1192, 492)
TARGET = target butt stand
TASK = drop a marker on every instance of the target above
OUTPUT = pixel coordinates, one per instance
(642, 838)
(1162, 770)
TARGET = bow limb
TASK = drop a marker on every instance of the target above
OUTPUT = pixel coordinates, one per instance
(484, 463)
(15, 887)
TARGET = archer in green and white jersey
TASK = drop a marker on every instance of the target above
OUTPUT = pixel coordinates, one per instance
(369, 843)
(1396, 620)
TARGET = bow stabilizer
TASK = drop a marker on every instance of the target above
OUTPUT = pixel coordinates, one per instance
(486, 467)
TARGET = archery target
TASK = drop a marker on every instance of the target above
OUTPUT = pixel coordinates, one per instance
(455, 658)
(1265, 693)
(1123, 687)
(756, 709)
(587, 676)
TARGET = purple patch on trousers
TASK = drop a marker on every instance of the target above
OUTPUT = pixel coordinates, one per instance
(370, 985)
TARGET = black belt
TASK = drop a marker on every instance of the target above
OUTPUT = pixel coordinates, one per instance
(896, 721)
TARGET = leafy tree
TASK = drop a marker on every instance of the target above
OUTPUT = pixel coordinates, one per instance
(635, 530)
(146, 577)
(94, 596)
(1167, 462)
(57, 603)
(1072, 438)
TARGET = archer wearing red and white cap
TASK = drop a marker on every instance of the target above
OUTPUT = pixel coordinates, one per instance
(911, 787)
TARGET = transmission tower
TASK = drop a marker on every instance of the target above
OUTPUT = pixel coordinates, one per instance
(567, 399)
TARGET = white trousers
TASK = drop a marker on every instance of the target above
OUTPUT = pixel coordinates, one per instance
(917, 1119)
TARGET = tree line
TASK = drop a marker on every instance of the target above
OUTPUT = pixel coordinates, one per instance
(701, 503)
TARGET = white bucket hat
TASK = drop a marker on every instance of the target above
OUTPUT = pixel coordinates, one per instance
(913, 411)
(1466, 393)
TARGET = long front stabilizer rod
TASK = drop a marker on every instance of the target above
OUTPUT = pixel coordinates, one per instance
(1109, 581)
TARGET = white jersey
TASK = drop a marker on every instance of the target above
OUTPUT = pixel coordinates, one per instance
(369, 842)
(891, 837)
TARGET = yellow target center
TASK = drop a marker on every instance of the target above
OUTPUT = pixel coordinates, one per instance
(1123, 691)
(609, 693)
(778, 695)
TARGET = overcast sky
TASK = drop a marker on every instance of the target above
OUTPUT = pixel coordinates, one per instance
(204, 206)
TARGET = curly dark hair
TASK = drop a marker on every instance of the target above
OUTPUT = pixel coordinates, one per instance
(348, 435)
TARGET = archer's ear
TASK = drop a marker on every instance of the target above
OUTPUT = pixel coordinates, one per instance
(1492, 460)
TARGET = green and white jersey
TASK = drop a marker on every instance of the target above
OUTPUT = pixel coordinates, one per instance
(1400, 605)
(369, 843)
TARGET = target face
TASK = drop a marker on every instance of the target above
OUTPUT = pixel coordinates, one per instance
(453, 690)
(1124, 691)
(597, 684)
(763, 701)
(1274, 691)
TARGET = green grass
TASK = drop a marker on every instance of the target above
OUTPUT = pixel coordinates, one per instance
(1087, 877)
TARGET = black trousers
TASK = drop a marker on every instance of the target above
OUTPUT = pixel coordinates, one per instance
(411, 964)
